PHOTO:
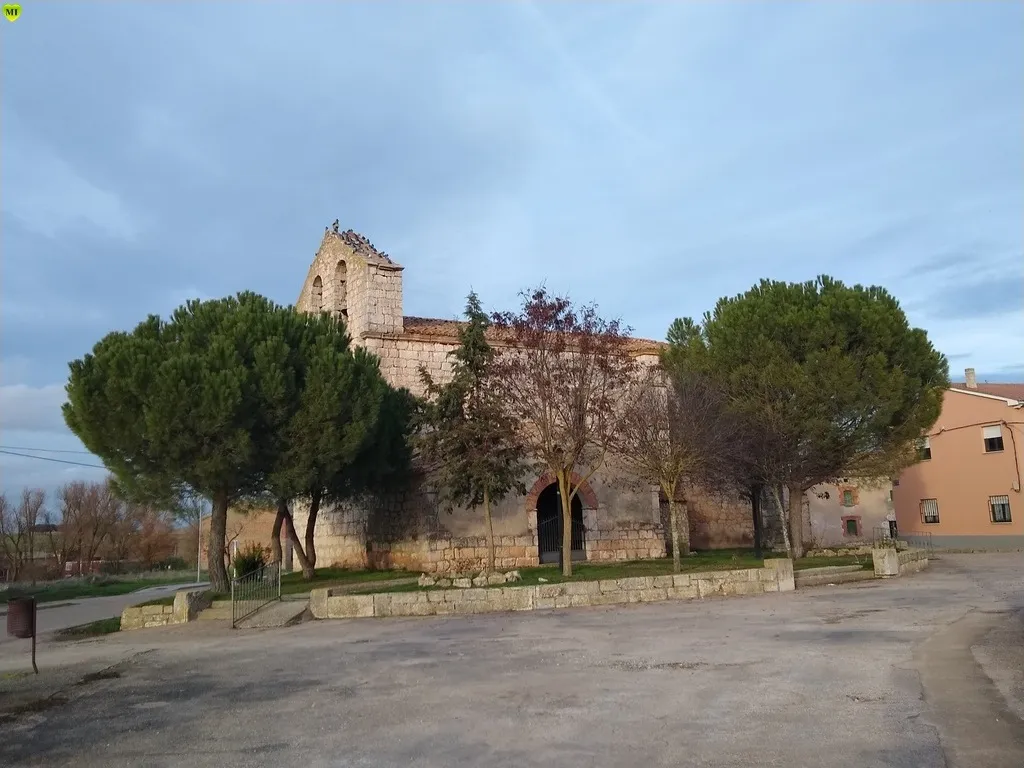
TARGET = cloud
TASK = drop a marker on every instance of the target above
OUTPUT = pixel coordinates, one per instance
(31, 409)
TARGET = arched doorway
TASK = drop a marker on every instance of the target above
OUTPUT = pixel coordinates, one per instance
(549, 525)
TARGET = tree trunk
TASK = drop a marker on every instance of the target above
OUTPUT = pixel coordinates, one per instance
(783, 518)
(308, 570)
(289, 527)
(215, 547)
(275, 532)
(490, 529)
(796, 521)
(755, 510)
(673, 524)
(563, 493)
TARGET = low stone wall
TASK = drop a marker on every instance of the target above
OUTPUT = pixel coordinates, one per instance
(776, 576)
(890, 562)
(186, 607)
(144, 616)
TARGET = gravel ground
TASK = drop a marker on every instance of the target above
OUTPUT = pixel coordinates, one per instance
(919, 671)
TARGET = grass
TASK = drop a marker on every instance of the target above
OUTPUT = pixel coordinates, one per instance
(864, 561)
(101, 586)
(294, 584)
(168, 600)
(716, 560)
(92, 629)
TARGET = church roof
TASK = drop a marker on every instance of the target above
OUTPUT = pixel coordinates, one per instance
(359, 244)
(448, 331)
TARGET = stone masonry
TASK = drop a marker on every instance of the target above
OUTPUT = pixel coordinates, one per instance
(776, 576)
(353, 280)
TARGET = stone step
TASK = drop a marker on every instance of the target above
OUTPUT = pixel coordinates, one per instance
(825, 579)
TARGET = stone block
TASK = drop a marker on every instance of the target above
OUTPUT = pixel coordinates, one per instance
(462, 583)
(662, 582)
(687, 592)
(653, 595)
(407, 598)
(609, 585)
(318, 603)
(350, 606)
(152, 610)
(550, 590)
(581, 600)
(381, 604)
(681, 580)
(636, 582)
(543, 602)
(887, 562)
(609, 598)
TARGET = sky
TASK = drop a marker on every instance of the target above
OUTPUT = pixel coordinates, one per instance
(650, 157)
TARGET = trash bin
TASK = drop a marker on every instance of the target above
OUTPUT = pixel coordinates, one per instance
(21, 617)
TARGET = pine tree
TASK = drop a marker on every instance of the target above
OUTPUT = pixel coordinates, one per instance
(469, 440)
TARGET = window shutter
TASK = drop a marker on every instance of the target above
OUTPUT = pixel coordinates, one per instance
(995, 430)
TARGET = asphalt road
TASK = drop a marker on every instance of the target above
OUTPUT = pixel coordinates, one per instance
(922, 671)
(70, 613)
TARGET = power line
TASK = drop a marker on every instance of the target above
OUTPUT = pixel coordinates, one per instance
(47, 458)
(39, 450)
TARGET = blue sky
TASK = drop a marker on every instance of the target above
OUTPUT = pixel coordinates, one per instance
(649, 156)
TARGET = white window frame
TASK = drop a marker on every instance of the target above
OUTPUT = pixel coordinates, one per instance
(1002, 501)
(924, 512)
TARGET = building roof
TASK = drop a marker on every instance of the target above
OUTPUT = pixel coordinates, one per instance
(359, 244)
(1007, 390)
(447, 331)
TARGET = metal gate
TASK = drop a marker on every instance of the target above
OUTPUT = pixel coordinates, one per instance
(549, 532)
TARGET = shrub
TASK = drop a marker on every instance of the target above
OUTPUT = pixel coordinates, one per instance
(248, 559)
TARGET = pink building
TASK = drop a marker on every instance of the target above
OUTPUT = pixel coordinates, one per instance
(966, 490)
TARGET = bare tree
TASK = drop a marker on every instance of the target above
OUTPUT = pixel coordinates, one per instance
(676, 434)
(153, 540)
(18, 526)
(88, 510)
(562, 377)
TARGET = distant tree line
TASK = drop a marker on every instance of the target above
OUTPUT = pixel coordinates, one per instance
(88, 522)
(776, 390)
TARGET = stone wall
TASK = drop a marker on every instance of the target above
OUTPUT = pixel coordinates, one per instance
(890, 562)
(145, 616)
(776, 576)
(718, 521)
(186, 607)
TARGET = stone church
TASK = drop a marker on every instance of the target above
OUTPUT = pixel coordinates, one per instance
(612, 518)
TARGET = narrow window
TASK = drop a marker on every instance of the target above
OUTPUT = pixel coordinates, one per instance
(929, 510)
(999, 507)
(341, 287)
(847, 498)
(924, 449)
(851, 526)
(318, 294)
(993, 438)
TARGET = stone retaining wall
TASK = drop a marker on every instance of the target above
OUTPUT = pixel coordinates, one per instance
(890, 562)
(776, 576)
(186, 607)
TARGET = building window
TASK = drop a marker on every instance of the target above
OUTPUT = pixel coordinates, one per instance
(318, 294)
(851, 527)
(999, 507)
(929, 510)
(924, 449)
(993, 438)
(847, 498)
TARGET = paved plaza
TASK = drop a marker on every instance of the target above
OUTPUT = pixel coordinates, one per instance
(921, 671)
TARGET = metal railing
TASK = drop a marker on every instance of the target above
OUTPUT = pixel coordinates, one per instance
(254, 590)
(919, 540)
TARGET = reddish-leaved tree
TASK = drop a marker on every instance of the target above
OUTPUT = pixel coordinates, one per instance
(563, 376)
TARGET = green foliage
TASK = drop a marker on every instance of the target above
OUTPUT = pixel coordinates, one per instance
(196, 402)
(827, 377)
(469, 440)
(249, 559)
